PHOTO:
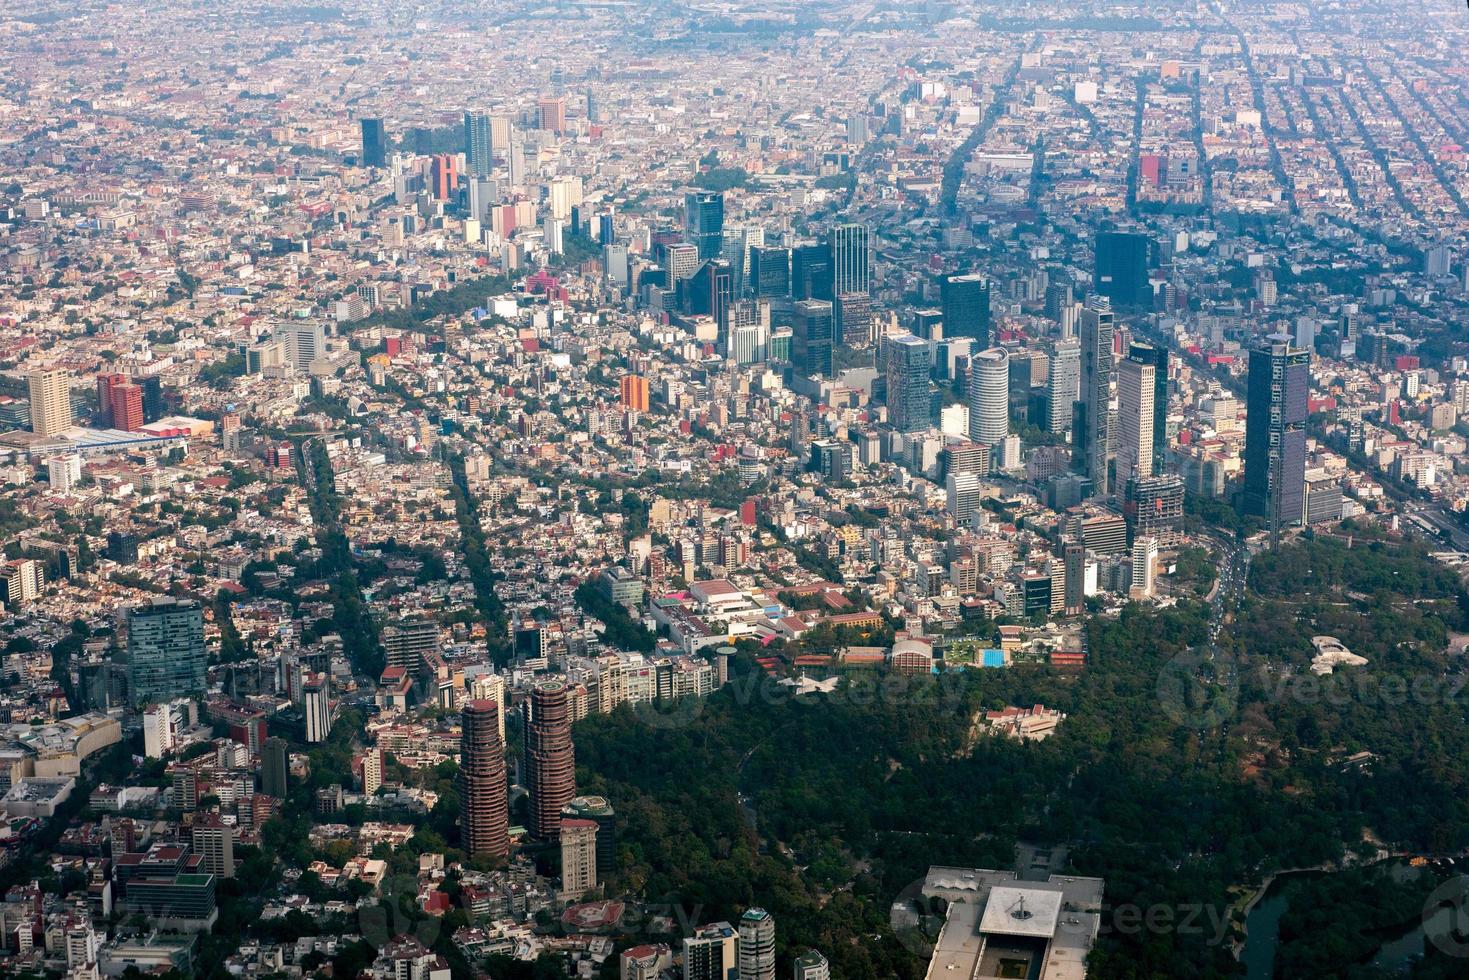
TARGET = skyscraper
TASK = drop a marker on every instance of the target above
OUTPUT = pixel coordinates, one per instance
(274, 768)
(165, 649)
(599, 811)
(316, 706)
(1135, 411)
(850, 262)
(811, 271)
(711, 953)
(550, 760)
(853, 318)
(813, 338)
(479, 150)
(989, 396)
(214, 842)
(704, 222)
(1074, 554)
(1275, 434)
(770, 271)
(757, 945)
(1063, 384)
(374, 143)
(484, 812)
(1158, 357)
(966, 307)
(50, 402)
(811, 965)
(1122, 266)
(910, 398)
(578, 857)
(551, 112)
(1091, 415)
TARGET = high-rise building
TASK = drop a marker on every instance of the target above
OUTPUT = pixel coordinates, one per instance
(479, 150)
(50, 402)
(165, 650)
(214, 842)
(1091, 416)
(813, 339)
(484, 811)
(551, 113)
(406, 642)
(301, 343)
(578, 857)
(369, 768)
(1074, 555)
(850, 260)
(853, 318)
(444, 176)
(127, 407)
(749, 332)
(704, 222)
(712, 953)
(1123, 260)
(909, 391)
(811, 965)
(316, 706)
(374, 143)
(757, 945)
(274, 768)
(1158, 358)
(811, 271)
(634, 392)
(989, 396)
(550, 759)
(1275, 434)
(1063, 384)
(1135, 410)
(1153, 507)
(965, 300)
(770, 271)
(1144, 568)
(680, 262)
(21, 581)
(599, 811)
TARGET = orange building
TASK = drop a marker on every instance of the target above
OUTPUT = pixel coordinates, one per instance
(552, 114)
(635, 392)
(127, 407)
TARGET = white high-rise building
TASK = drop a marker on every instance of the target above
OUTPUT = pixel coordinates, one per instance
(578, 857)
(64, 472)
(316, 697)
(757, 945)
(1144, 567)
(989, 396)
(1063, 384)
(1135, 408)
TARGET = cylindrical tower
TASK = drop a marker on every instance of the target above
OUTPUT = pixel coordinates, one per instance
(484, 809)
(550, 760)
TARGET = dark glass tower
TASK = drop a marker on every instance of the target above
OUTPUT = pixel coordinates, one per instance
(704, 222)
(478, 146)
(166, 655)
(1123, 260)
(374, 143)
(813, 338)
(910, 402)
(1091, 416)
(1275, 433)
(966, 306)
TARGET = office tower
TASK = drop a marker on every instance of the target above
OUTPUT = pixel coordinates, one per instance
(553, 234)
(274, 768)
(711, 953)
(749, 332)
(165, 650)
(811, 965)
(600, 812)
(515, 163)
(1091, 416)
(1063, 385)
(850, 260)
(316, 706)
(757, 945)
(680, 262)
(1122, 262)
(484, 811)
(1144, 568)
(551, 112)
(444, 176)
(1058, 300)
(1135, 410)
(965, 301)
(1437, 259)
(770, 271)
(550, 760)
(1158, 358)
(704, 222)
(963, 492)
(811, 271)
(633, 390)
(710, 291)
(1275, 434)
(21, 581)
(153, 404)
(479, 151)
(989, 396)
(214, 842)
(50, 402)
(813, 339)
(122, 547)
(1153, 507)
(301, 343)
(606, 228)
(127, 407)
(853, 318)
(578, 858)
(407, 642)
(909, 392)
(374, 143)
(1074, 555)
(105, 384)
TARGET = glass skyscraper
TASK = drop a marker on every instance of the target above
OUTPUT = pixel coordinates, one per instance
(165, 649)
(966, 307)
(374, 143)
(1275, 433)
(478, 145)
(910, 399)
(704, 222)
(812, 339)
